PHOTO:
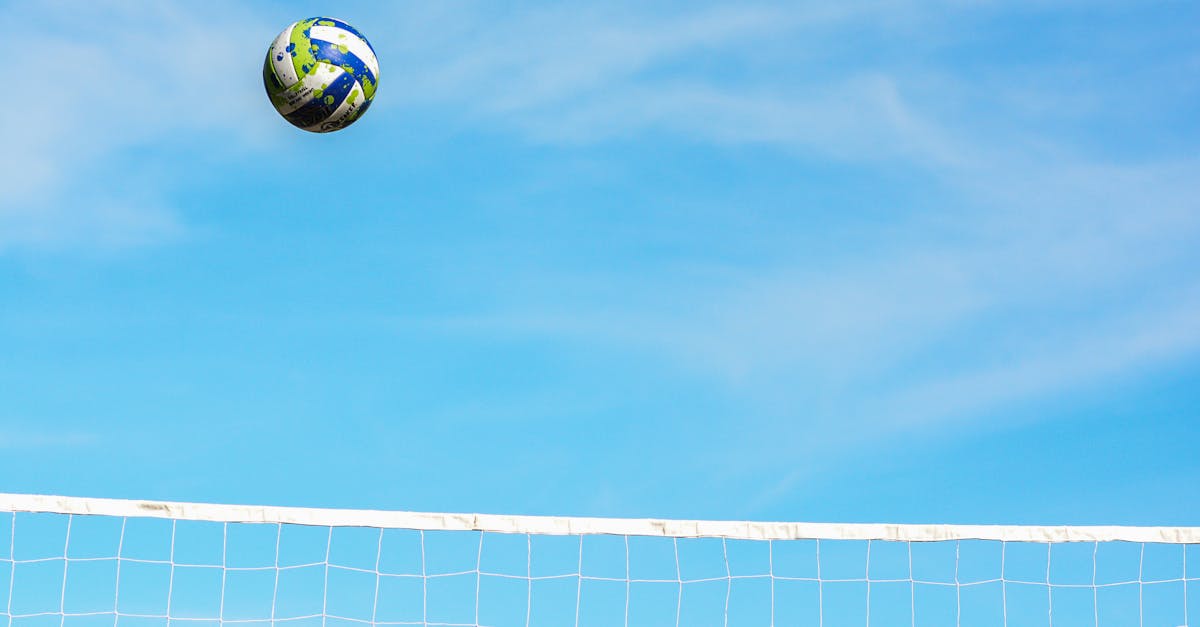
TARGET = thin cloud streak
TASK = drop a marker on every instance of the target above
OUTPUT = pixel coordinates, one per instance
(1145, 341)
(28, 441)
(590, 76)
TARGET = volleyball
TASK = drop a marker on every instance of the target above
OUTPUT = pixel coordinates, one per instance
(321, 74)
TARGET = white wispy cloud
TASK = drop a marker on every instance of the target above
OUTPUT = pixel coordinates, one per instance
(593, 74)
(108, 78)
(1149, 338)
(1064, 270)
(1043, 243)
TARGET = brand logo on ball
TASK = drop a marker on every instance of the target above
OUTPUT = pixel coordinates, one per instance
(321, 74)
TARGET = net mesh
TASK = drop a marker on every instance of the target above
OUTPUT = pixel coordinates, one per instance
(111, 571)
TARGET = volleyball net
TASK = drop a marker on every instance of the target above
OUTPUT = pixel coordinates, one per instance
(74, 562)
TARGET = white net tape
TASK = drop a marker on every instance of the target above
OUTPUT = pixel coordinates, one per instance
(95, 562)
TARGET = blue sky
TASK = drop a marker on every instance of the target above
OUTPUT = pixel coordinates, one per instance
(887, 261)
